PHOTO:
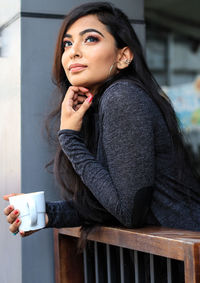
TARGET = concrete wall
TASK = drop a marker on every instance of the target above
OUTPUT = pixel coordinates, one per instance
(134, 9)
(8, 10)
(10, 181)
(38, 40)
(22, 112)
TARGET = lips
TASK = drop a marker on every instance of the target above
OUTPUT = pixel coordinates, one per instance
(76, 67)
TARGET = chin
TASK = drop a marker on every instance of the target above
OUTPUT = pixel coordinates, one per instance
(86, 82)
(80, 82)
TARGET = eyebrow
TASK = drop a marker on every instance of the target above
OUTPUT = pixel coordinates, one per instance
(85, 31)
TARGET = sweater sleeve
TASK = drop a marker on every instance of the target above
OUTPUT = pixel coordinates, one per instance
(62, 214)
(124, 186)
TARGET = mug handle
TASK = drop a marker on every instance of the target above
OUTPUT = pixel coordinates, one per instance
(33, 211)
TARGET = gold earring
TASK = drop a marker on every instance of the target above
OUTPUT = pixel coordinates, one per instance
(112, 67)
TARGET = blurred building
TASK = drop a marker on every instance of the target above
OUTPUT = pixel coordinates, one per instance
(173, 40)
(173, 55)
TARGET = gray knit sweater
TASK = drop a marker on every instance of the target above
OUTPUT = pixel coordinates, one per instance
(132, 174)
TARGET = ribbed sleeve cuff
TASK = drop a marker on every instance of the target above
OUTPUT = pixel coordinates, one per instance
(62, 214)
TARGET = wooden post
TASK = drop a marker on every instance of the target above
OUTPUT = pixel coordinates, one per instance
(68, 263)
(192, 264)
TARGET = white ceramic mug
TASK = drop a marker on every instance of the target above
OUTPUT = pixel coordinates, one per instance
(32, 210)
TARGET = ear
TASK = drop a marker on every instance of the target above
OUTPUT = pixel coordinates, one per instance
(125, 56)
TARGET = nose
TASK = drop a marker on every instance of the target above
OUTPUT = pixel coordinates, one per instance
(75, 50)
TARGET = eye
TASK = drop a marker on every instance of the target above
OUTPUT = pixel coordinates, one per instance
(91, 39)
(66, 43)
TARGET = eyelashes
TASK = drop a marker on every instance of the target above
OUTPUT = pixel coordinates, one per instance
(91, 38)
(66, 43)
(88, 39)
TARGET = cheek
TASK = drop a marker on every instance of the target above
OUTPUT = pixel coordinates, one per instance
(104, 59)
(107, 56)
(64, 60)
(64, 63)
(102, 66)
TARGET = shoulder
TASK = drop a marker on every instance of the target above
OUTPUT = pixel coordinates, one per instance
(125, 93)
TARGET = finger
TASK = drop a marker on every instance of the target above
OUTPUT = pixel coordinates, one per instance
(6, 197)
(13, 216)
(75, 96)
(22, 233)
(83, 89)
(71, 96)
(15, 226)
(72, 90)
(81, 99)
(68, 101)
(85, 94)
(77, 107)
(8, 209)
(88, 94)
(85, 106)
(28, 233)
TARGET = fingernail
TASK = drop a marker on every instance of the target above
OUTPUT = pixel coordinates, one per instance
(10, 207)
(17, 221)
(16, 212)
(89, 99)
(21, 233)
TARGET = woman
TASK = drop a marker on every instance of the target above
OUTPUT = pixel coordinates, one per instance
(121, 158)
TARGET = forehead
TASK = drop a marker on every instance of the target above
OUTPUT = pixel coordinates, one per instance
(89, 21)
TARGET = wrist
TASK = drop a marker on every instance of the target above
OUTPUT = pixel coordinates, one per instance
(66, 126)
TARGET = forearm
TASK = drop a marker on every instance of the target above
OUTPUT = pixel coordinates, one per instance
(92, 173)
(117, 198)
(62, 214)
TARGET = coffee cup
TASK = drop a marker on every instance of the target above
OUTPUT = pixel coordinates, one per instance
(32, 210)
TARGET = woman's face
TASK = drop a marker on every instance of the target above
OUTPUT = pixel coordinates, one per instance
(89, 53)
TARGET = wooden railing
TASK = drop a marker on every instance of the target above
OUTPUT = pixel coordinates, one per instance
(71, 267)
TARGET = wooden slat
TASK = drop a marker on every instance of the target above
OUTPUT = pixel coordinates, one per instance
(68, 263)
(56, 256)
(154, 240)
(192, 264)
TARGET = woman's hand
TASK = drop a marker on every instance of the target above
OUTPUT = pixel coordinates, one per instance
(74, 106)
(12, 218)
(12, 215)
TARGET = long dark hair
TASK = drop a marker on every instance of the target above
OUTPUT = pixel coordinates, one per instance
(119, 26)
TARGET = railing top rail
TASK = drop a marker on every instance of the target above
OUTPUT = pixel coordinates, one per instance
(172, 243)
